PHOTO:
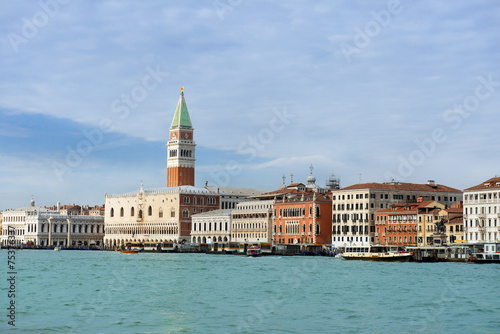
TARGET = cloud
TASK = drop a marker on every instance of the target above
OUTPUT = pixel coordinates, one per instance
(89, 62)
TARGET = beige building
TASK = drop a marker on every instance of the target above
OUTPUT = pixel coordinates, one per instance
(428, 217)
(210, 227)
(252, 222)
(482, 212)
(155, 215)
(354, 207)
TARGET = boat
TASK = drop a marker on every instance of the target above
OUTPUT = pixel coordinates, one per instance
(57, 248)
(129, 252)
(377, 253)
(491, 254)
(254, 251)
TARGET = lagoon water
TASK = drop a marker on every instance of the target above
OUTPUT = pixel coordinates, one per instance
(109, 292)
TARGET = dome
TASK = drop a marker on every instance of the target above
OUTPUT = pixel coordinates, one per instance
(311, 179)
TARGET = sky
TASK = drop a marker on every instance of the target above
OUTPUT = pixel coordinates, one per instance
(372, 91)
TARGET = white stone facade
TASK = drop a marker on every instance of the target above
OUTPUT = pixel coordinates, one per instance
(210, 227)
(252, 222)
(482, 212)
(43, 227)
(155, 215)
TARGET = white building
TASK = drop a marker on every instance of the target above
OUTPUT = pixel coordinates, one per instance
(210, 227)
(252, 222)
(482, 212)
(38, 226)
(155, 215)
(354, 207)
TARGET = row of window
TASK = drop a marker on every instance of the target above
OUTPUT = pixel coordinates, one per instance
(482, 223)
(476, 210)
(183, 153)
(353, 229)
(203, 226)
(185, 212)
(482, 196)
(394, 197)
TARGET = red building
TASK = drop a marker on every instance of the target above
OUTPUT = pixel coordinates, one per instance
(303, 217)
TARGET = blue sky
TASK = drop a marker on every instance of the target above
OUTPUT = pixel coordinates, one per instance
(372, 91)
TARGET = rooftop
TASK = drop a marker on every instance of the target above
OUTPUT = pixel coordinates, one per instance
(401, 186)
(491, 184)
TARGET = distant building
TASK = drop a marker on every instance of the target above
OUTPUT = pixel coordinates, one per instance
(482, 212)
(252, 222)
(39, 226)
(211, 227)
(164, 214)
(354, 207)
(230, 197)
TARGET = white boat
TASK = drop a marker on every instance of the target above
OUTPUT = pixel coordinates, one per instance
(57, 248)
(254, 251)
(376, 253)
(491, 254)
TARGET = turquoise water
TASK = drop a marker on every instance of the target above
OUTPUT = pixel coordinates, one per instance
(109, 292)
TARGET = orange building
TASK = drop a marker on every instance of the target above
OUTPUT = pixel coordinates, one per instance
(303, 217)
(400, 224)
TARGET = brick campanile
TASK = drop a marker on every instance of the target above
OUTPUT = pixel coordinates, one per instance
(181, 148)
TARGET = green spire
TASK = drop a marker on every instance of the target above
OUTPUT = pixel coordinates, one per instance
(181, 117)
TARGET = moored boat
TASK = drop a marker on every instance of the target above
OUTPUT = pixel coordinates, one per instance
(57, 248)
(491, 254)
(254, 251)
(377, 253)
(129, 252)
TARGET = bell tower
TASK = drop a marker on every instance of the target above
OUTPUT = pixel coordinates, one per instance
(181, 148)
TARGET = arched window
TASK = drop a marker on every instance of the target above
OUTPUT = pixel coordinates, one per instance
(202, 201)
(121, 212)
(317, 211)
(172, 212)
(140, 214)
(160, 213)
(150, 211)
(132, 212)
(186, 199)
(194, 200)
(111, 213)
(185, 213)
